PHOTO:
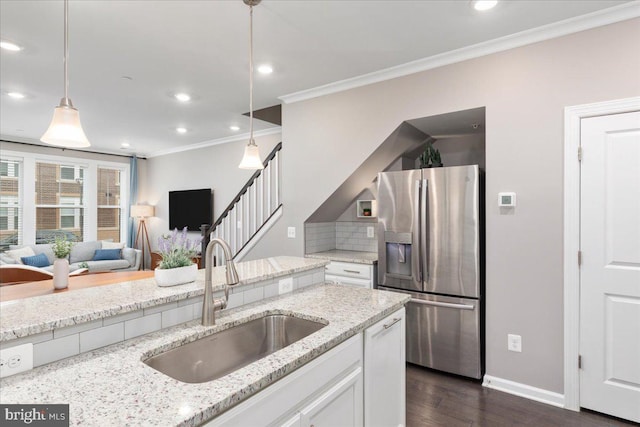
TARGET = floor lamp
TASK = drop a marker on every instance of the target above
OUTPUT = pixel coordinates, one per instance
(142, 212)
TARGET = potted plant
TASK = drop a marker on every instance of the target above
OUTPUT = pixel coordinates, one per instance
(177, 252)
(430, 158)
(61, 248)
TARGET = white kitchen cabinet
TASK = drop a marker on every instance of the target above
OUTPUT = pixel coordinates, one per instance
(347, 273)
(341, 405)
(358, 383)
(384, 372)
(282, 403)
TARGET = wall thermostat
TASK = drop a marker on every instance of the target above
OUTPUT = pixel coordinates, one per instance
(506, 200)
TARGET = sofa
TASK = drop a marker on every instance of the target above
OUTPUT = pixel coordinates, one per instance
(82, 256)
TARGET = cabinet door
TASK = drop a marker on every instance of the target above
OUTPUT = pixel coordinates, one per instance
(384, 372)
(341, 405)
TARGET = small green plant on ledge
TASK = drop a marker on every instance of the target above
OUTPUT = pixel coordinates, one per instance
(176, 250)
(430, 158)
(61, 247)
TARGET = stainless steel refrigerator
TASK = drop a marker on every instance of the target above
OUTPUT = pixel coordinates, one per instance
(429, 231)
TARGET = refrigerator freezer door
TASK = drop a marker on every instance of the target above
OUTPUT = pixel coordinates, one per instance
(398, 229)
(443, 333)
(451, 237)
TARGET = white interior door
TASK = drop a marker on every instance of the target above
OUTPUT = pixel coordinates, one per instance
(610, 272)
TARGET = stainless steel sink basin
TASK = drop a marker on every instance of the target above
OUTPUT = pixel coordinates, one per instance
(221, 353)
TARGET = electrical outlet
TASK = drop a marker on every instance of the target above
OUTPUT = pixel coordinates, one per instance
(514, 343)
(16, 359)
(370, 232)
(285, 285)
(291, 232)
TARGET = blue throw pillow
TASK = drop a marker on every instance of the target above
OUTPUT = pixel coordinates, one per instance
(106, 254)
(39, 260)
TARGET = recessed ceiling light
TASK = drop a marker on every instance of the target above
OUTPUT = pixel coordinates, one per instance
(265, 69)
(484, 4)
(234, 128)
(16, 95)
(7, 45)
(125, 145)
(181, 130)
(182, 97)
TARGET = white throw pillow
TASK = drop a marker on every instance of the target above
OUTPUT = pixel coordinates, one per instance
(19, 253)
(111, 245)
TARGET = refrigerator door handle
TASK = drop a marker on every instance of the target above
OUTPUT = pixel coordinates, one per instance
(417, 236)
(424, 231)
(444, 304)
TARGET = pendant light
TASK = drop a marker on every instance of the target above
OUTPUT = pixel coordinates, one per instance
(65, 129)
(251, 158)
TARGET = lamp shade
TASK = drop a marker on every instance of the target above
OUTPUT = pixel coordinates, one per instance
(251, 158)
(142, 211)
(65, 129)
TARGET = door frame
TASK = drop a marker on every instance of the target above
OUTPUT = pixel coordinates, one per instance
(572, 119)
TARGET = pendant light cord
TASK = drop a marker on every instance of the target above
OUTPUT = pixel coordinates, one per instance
(251, 141)
(66, 52)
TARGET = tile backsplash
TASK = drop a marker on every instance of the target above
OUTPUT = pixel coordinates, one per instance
(347, 235)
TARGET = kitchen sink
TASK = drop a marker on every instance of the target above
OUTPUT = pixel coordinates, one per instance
(219, 354)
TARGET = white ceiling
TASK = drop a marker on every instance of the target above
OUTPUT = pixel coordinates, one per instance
(201, 47)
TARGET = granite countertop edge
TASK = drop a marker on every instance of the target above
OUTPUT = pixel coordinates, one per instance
(357, 257)
(15, 324)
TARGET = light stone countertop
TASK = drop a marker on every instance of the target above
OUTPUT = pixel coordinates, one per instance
(346, 256)
(111, 385)
(20, 318)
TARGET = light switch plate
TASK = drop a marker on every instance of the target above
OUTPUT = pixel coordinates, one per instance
(514, 343)
(14, 360)
(291, 232)
(370, 232)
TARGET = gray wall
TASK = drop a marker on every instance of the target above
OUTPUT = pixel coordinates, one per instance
(525, 91)
(214, 167)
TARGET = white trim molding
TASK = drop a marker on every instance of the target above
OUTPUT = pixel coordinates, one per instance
(259, 235)
(572, 119)
(523, 390)
(557, 29)
(225, 140)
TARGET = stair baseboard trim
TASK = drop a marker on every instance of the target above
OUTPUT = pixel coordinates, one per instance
(258, 236)
(523, 390)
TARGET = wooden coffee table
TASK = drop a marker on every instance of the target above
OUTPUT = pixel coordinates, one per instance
(45, 287)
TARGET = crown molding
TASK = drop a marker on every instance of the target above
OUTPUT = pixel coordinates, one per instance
(599, 18)
(226, 140)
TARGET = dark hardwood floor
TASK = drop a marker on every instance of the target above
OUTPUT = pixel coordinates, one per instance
(437, 399)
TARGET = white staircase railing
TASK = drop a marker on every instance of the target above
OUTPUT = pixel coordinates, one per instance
(253, 211)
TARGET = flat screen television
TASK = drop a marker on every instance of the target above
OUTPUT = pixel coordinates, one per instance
(190, 208)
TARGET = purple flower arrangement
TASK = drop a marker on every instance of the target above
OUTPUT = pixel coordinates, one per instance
(177, 250)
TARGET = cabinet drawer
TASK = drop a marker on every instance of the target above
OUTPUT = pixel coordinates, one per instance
(362, 271)
(363, 283)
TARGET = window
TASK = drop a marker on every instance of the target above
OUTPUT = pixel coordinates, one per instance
(45, 196)
(59, 186)
(109, 204)
(10, 224)
(9, 169)
(71, 173)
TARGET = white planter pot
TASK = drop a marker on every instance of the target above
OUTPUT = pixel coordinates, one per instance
(60, 273)
(176, 276)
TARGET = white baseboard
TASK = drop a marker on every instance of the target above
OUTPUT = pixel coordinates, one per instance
(523, 390)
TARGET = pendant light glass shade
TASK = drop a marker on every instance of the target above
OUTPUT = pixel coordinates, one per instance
(65, 129)
(251, 158)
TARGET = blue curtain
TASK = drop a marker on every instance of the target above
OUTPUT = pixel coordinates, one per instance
(133, 199)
